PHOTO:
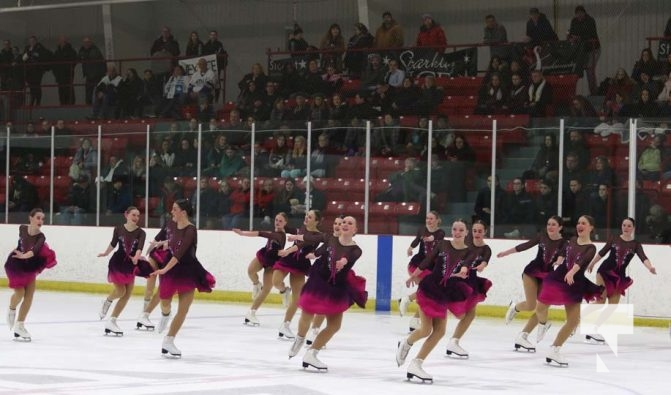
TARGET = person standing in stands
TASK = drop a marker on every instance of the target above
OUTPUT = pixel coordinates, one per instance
(539, 29)
(583, 29)
(93, 66)
(64, 71)
(390, 34)
(431, 34)
(34, 57)
(214, 47)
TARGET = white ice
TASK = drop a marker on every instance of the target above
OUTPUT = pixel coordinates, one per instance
(70, 355)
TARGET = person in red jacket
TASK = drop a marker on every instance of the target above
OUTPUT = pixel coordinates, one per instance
(431, 34)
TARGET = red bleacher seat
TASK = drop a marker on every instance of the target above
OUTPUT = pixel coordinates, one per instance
(382, 209)
(334, 208)
(406, 208)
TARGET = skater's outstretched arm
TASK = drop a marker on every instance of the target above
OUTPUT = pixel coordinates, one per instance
(246, 233)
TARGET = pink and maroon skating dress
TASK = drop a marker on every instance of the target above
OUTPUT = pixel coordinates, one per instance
(121, 269)
(21, 272)
(613, 269)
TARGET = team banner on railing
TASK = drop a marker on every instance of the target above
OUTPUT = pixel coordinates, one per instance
(416, 62)
(560, 57)
(664, 50)
(419, 62)
(190, 65)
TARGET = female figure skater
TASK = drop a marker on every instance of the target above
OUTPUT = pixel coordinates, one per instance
(181, 275)
(567, 286)
(331, 289)
(612, 273)
(293, 262)
(122, 265)
(427, 238)
(264, 260)
(550, 244)
(31, 256)
(480, 255)
(319, 318)
(448, 263)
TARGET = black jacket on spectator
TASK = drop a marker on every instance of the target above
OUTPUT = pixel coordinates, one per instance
(170, 45)
(540, 32)
(93, 62)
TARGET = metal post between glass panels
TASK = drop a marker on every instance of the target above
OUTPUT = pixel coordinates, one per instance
(429, 159)
(51, 176)
(633, 160)
(98, 178)
(366, 190)
(492, 189)
(251, 177)
(146, 181)
(7, 177)
(198, 167)
(560, 184)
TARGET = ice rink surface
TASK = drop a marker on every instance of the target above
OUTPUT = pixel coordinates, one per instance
(69, 354)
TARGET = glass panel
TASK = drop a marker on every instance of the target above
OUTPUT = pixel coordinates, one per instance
(337, 166)
(653, 185)
(122, 179)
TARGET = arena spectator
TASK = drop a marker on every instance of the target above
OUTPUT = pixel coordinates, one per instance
(138, 176)
(407, 185)
(645, 107)
(651, 160)
(214, 47)
(483, 202)
(431, 34)
(646, 64)
(582, 113)
(518, 211)
(194, 47)
(257, 75)
(312, 79)
(22, 195)
(395, 76)
(333, 45)
(119, 198)
(539, 29)
(390, 34)
(291, 80)
(583, 30)
(546, 163)
(374, 73)
(107, 95)
(209, 204)
(263, 203)
(431, 95)
(84, 161)
(65, 58)
(333, 80)
(79, 202)
(540, 95)
(572, 170)
(575, 202)
(602, 208)
(576, 145)
(297, 43)
(34, 56)
(517, 95)
(174, 94)
(545, 204)
(93, 66)
(130, 91)
(165, 43)
(492, 97)
(231, 163)
(406, 97)
(355, 58)
(202, 83)
(496, 35)
(296, 164)
(602, 174)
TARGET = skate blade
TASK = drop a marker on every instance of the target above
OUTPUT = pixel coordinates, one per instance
(550, 361)
(422, 380)
(454, 355)
(20, 339)
(319, 369)
(141, 327)
(521, 348)
(112, 333)
(283, 336)
(168, 355)
(593, 340)
(250, 323)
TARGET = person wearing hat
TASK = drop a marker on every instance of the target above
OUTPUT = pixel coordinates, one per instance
(539, 29)
(431, 34)
(389, 34)
(583, 29)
